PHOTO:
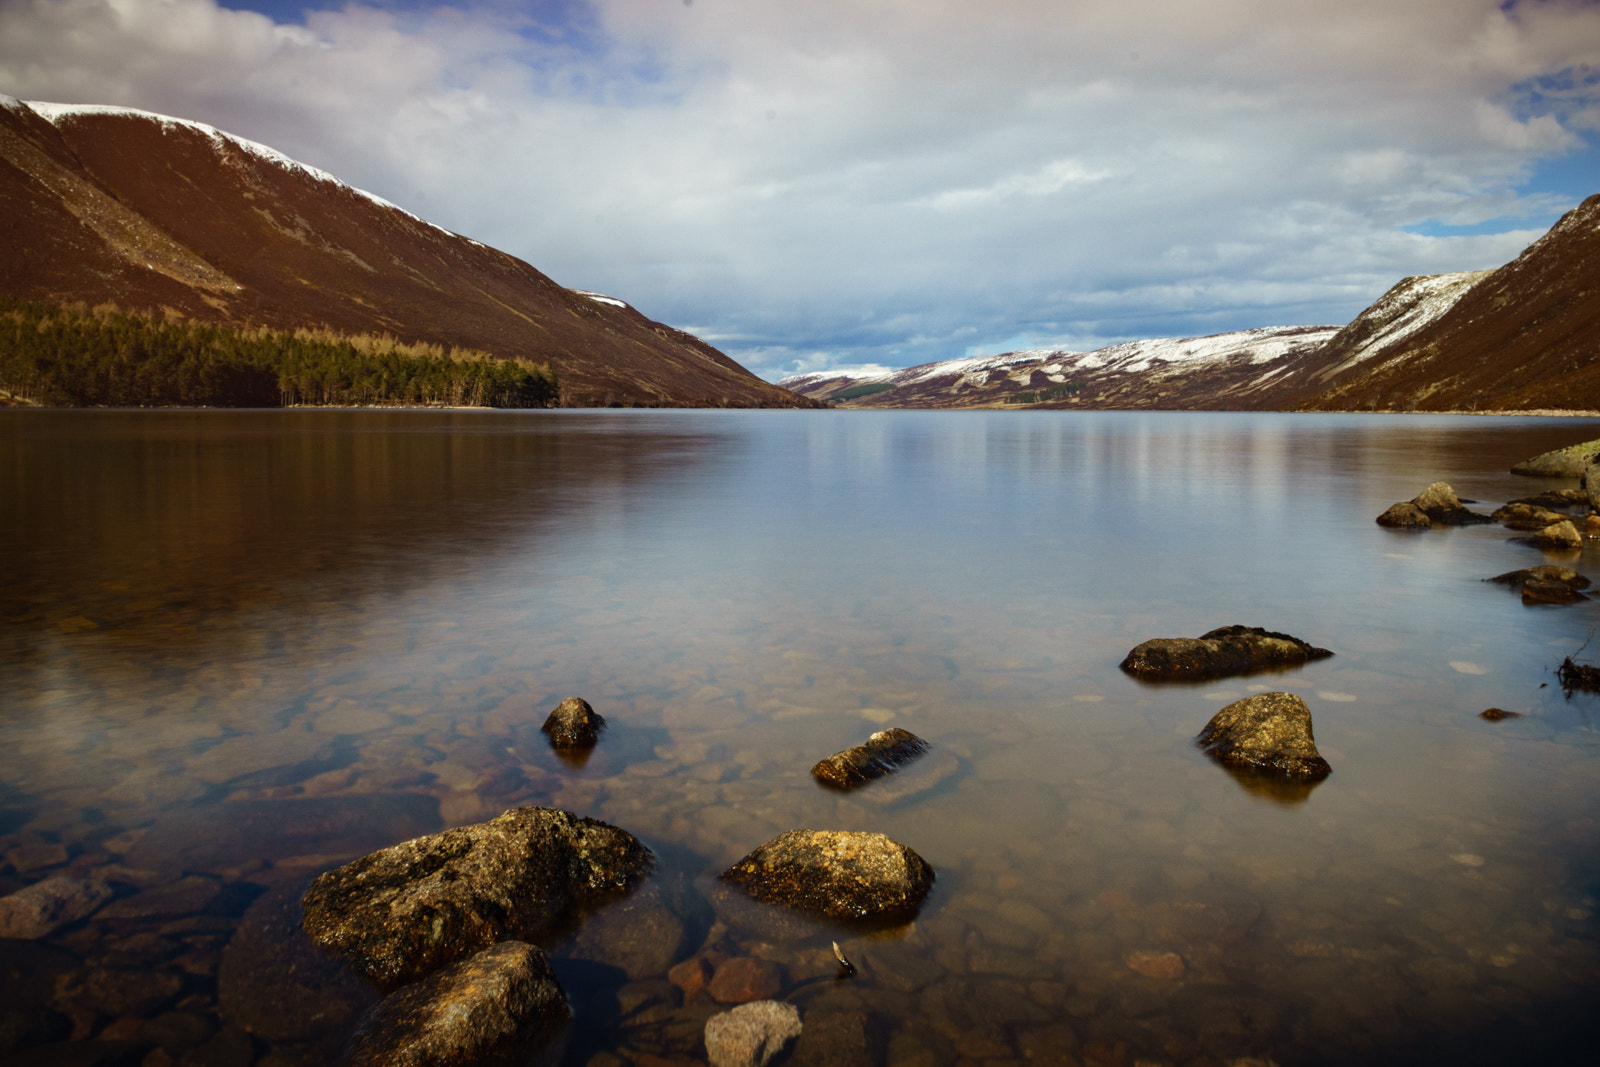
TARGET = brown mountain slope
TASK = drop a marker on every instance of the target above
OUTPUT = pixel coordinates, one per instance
(1526, 336)
(111, 205)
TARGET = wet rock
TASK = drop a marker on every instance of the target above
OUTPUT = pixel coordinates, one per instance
(640, 935)
(743, 979)
(1223, 651)
(1562, 534)
(881, 754)
(1268, 732)
(46, 906)
(412, 908)
(275, 983)
(1564, 575)
(835, 1039)
(118, 992)
(1526, 517)
(1440, 503)
(1561, 463)
(691, 976)
(183, 897)
(1164, 965)
(751, 1034)
(465, 1011)
(1535, 591)
(37, 856)
(1590, 481)
(1497, 714)
(1555, 498)
(841, 874)
(573, 724)
(1405, 514)
(929, 773)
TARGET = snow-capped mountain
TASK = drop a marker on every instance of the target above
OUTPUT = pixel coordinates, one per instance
(146, 211)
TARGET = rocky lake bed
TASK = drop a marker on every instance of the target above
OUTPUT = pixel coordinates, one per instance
(193, 751)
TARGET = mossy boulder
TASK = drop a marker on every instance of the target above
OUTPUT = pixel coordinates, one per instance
(842, 874)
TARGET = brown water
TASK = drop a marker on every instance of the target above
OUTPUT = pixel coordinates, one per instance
(240, 648)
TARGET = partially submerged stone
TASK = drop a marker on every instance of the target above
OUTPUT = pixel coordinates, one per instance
(1497, 714)
(1268, 733)
(842, 874)
(1223, 651)
(1405, 514)
(1535, 591)
(573, 724)
(882, 753)
(1555, 498)
(1561, 534)
(1441, 504)
(751, 1034)
(44, 907)
(1545, 585)
(1560, 463)
(408, 910)
(463, 1011)
(1526, 517)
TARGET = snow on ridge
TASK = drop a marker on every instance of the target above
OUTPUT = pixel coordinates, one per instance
(1411, 304)
(54, 113)
(598, 298)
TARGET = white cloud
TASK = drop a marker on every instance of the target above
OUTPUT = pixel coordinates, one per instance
(889, 181)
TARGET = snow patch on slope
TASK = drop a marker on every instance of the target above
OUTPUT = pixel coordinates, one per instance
(598, 298)
(56, 113)
(1410, 305)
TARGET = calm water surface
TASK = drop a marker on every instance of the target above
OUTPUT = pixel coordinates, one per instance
(240, 648)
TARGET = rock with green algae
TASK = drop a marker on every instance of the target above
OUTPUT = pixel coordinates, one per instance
(1560, 463)
(1267, 733)
(487, 1006)
(843, 874)
(408, 910)
(1223, 651)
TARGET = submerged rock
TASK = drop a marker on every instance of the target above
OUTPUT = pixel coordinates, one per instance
(1227, 650)
(1269, 732)
(1554, 498)
(751, 1034)
(882, 753)
(1497, 714)
(1561, 534)
(1405, 514)
(1545, 585)
(44, 907)
(573, 724)
(641, 935)
(1561, 463)
(1441, 504)
(1526, 517)
(406, 911)
(842, 874)
(463, 1011)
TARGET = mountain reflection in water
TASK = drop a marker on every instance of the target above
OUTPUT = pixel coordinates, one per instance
(244, 647)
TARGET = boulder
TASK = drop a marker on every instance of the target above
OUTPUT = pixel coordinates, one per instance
(1526, 517)
(463, 1012)
(745, 978)
(1535, 591)
(1269, 733)
(640, 935)
(1498, 714)
(276, 984)
(44, 907)
(1561, 534)
(1227, 650)
(1405, 514)
(1591, 481)
(1440, 503)
(751, 1034)
(1561, 463)
(573, 724)
(1565, 575)
(1555, 498)
(842, 874)
(406, 911)
(882, 753)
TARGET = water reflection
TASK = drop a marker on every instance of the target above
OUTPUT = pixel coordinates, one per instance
(1290, 792)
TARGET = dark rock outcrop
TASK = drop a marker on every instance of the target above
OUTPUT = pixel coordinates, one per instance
(751, 1034)
(840, 873)
(1405, 514)
(1545, 585)
(573, 724)
(1440, 503)
(464, 1011)
(1526, 517)
(46, 906)
(1268, 733)
(406, 911)
(1223, 651)
(882, 753)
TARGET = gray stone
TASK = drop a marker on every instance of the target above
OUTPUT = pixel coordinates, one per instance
(841, 874)
(1269, 732)
(463, 1011)
(1560, 463)
(1565, 575)
(1561, 534)
(1405, 514)
(1223, 651)
(1441, 504)
(1526, 517)
(573, 724)
(46, 906)
(882, 753)
(751, 1034)
(408, 910)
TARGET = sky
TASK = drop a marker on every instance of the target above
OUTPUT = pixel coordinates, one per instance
(815, 185)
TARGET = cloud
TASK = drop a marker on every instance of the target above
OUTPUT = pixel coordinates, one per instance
(892, 181)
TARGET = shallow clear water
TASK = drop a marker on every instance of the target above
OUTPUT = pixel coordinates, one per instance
(239, 648)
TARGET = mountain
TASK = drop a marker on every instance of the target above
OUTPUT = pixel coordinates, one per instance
(1524, 337)
(1228, 371)
(111, 205)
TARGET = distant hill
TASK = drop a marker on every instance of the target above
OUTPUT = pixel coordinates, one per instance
(1523, 337)
(150, 213)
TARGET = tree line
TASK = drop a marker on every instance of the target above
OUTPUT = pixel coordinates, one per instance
(76, 356)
